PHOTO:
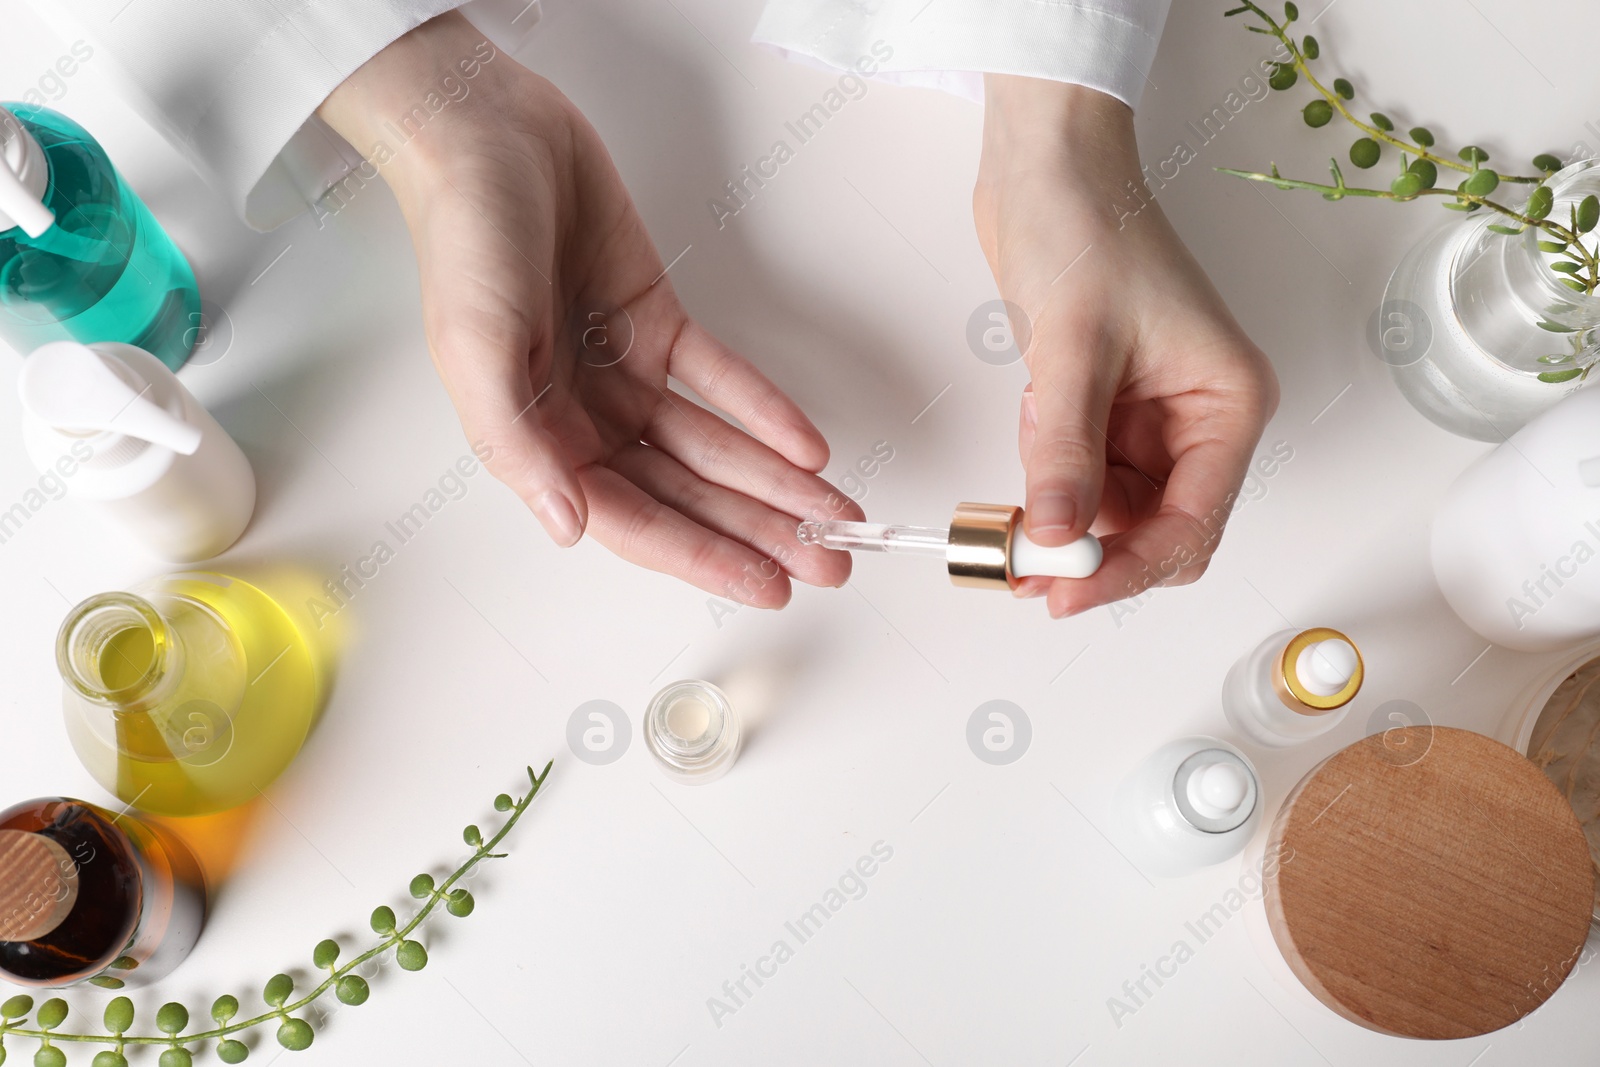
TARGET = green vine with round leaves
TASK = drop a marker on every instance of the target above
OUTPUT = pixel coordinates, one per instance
(293, 1031)
(1577, 261)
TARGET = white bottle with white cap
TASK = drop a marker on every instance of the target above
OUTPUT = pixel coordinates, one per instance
(1293, 686)
(128, 439)
(1192, 803)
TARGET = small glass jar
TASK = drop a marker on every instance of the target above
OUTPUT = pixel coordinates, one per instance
(692, 730)
(1472, 317)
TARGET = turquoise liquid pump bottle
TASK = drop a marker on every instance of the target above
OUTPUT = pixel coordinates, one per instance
(81, 257)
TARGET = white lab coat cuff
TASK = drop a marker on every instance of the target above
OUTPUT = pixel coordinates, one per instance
(1107, 45)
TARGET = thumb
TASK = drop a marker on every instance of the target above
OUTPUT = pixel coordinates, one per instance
(1067, 459)
(485, 367)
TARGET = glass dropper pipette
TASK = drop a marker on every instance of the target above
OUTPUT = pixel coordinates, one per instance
(983, 546)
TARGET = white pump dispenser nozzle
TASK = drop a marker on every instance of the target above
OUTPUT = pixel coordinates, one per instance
(24, 178)
(1218, 789)
(115, 427)
(70, 387)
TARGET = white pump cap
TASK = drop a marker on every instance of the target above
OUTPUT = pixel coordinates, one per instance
(1079, 559)
(1217, 790)
(1326, 667)
(24, 178)
(76, 390)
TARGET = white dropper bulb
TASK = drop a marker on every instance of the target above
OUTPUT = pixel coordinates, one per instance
(1218, 790)
(72, 388)
(1079, 559)
(24, 178)
(1326, 667)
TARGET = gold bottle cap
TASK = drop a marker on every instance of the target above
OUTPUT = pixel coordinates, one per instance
(980, 545)
(38, 885)
(1293, 692)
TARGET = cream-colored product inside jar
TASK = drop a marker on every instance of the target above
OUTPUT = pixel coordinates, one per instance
(1566, 746)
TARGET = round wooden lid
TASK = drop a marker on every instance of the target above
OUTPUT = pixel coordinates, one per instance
(1429, 882)
(38, 885)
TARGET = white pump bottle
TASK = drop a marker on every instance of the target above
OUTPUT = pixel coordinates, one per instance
(158, 464)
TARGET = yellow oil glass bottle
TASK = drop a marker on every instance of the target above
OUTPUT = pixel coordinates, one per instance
(188, 695)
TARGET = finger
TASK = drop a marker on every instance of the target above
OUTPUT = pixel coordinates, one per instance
(770, 533)
(1175, 545)
(1027, 423)
(644, 531)
(728, 381)
(724, 454)
(1066, 465)
(480, 340)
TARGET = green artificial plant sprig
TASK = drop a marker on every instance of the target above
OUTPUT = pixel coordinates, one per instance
(1578, 265)
(293, 1033)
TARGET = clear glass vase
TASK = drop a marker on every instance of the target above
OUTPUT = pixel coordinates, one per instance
(1460, 323)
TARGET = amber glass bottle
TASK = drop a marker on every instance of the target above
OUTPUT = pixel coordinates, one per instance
(87, 893)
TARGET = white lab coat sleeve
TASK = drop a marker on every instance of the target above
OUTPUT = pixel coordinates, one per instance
(1107, 45)
(234, 84)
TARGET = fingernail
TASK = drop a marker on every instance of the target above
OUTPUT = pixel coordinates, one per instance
(1052, 510)
(560, 518)
(1030, 409)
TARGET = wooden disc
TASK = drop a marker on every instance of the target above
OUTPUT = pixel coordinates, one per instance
(1429, 882)
(38, 885)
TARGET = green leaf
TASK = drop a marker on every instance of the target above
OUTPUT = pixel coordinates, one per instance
(49, 1056)
(421, 885)
(472, 836)
(1473, 154)
(1317, 113)
(1560, 375)
(231, 1051)
(1425, 171)
(295, 1035)
(460, 903)
(52, 1013)
(1588, 213)
(1481, 182)
(109, 1059)
(383, 919)
(176, 1057)
(1573, 283)
(1382, 121)
(1565, 267)
(1406, 185)
(503, 802)
(1365, 152)
(278, 989)
(224, 1007)
(1540, 202)
(326, 952)
(1555, 327)
(1310, 48)
(1283, 75)
(1344, 88)
(1290, 12)
(1234, 11)
(172, 1018)
(1546, 162)
(105, 981)
(1422, 135)
(1511, 231)
(411, 956)
(352, 989)
(1552, 246)
(119, 1015)
(17, 1007)
(1454, 205)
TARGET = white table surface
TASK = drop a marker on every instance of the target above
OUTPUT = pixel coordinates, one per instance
(1005, 920)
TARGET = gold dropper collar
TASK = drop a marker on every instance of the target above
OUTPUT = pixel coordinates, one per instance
(979, 554)
(1292, 691)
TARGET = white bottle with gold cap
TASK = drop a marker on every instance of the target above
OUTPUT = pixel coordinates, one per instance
(1293, 686)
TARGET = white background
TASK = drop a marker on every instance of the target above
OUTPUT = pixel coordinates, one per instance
(1005, 919)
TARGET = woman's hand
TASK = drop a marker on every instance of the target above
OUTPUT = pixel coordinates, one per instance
(1147, 399)
(554, 327)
